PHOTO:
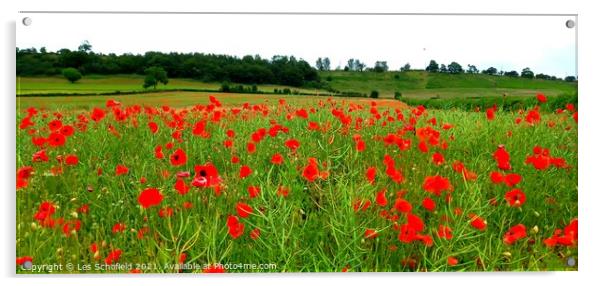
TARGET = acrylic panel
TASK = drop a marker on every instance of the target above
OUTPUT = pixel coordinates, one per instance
(295, 142)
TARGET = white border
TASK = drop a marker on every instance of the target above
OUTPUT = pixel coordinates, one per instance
(589, 138)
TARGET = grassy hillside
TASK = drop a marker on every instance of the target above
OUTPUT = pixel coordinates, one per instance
(91, 84)
(420, 84)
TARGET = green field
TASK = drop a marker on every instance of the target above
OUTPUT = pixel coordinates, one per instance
(92, 84)
(327, 216)
(419, 84)
(412, 84)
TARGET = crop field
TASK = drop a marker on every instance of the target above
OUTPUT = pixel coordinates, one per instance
(208, 183)
(93, 84)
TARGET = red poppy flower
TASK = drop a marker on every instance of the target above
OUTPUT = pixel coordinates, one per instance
(23, 259)
(444, 232)
(360, 145)
(436, 184)
(113, 256)
(55, 125)
(512, 179)
(502, 157)
(282, 191)
(255, 233)
(490, 113)
(452, 261)
(153, 127)
(166, 212)
(71, 160)
(515, 233)
(150, 197)
(277, 159)
(235, 228)
(214, 268)
(402, 205)
(67, 130)
(181, 186)
(292, 144)
(566, 237)
(253, 191)
(245, 171)
(515, 198)
(206, 176)
(97, 114)
(118, 227)
(438, 159)
(121, 170)
(371, 174)
(429, 204)
(477, 222)
(370, 233)
(541, 98)
(311, 172)
(381, 198)
(56, 139)
(497, 177)
(243, 210)
(178, 158)
(251, 148)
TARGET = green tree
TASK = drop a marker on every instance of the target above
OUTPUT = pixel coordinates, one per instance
(154, 76)
(455, 68)
(490, 71)
(472, 69)
(374, 94)
(326, 64)
(320, 64)
(527, 73)
(381, 66)
(72, 74)
(570, 78)
(406, 67)
(432, 67)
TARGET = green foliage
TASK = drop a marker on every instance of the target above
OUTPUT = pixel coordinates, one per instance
(506, 103)
(72, 74)
(454, 68)
(374, 94)
(527, 73)
(432, 67)
(154, 76)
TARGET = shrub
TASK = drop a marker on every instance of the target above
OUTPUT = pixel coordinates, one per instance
(374, 94)
(72, 74)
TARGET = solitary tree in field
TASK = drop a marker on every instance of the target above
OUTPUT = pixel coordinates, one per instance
(527, 73)
(72, 74)
(154, 76)
(432, 67)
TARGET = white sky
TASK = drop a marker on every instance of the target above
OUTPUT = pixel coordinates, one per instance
(542, 43)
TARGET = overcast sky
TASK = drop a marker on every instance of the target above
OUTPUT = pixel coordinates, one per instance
(542, 43)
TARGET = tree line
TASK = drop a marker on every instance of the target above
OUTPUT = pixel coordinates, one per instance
(285, 70)
(456, 68)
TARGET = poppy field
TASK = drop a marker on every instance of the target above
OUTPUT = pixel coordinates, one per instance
(278, 185)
